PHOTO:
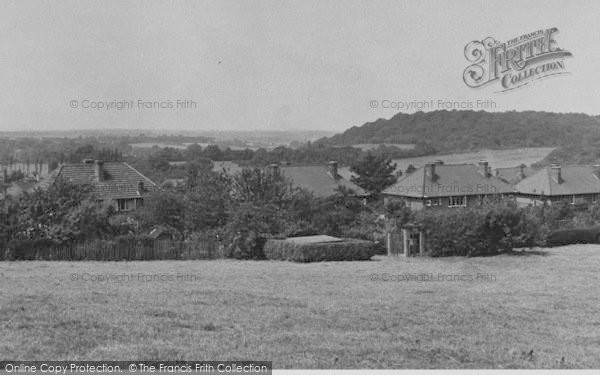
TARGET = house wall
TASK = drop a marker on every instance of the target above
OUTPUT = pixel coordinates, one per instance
(577, 199)
(439, 202)
(131, 204)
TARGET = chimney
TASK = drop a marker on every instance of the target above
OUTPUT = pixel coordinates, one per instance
(333, 169)
(596, 170)
(522, 171)
(484, 168)
(555, 173)
(430, 170)
(273, 169)
(98, 170)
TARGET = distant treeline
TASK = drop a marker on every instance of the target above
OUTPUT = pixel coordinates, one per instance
(451, 131)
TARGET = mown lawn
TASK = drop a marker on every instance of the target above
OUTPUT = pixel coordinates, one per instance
(542, 311)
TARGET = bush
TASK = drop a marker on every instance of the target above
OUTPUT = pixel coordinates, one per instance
(246, 245)
(348, 249)
(487, 230)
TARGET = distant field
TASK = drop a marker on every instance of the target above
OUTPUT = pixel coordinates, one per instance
(158, 144)
(535, 311)
(371, 146)
(184, 146)
(496, 158)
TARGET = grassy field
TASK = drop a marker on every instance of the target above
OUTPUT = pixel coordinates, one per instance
(496, 158)
(535, 310)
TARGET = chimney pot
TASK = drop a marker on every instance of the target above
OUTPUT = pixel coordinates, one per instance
(484, 168)
(99, 170)
(522, 171)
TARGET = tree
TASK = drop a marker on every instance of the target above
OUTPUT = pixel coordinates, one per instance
(196, 167)
(213, 152)
(63, 212)
(374, 172)
(163, 208)
(193, 152)
(207, 201)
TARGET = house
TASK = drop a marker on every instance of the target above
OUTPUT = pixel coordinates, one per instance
(115, 183)
(576, 184)
(321, 180)
(514, 175)
(438, 185)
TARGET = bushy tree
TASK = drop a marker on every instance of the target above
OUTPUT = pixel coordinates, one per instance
(374, 172)
(207, 201)
(61, 213)
(164, 208)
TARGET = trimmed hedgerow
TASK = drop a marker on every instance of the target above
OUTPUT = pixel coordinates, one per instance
(574, 236)
(348, 249)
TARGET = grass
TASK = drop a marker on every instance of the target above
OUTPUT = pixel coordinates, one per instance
(540, 312)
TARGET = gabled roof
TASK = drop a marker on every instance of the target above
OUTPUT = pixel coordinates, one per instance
(512, 175)
(316, 178)
(449, 180)
(575, 179)
(119, 179)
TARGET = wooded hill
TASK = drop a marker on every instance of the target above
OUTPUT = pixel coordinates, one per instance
(449, 131)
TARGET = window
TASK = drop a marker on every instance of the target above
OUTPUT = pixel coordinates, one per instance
(594, 198)
(125, 204)
(457, 201)
(433, 202)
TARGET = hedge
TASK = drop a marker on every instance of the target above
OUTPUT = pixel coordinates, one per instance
(345, 250)
(574, 236)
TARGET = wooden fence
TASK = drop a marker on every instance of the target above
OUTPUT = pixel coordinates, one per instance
(103, 250)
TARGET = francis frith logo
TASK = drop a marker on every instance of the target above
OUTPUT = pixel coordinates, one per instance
(514, 63)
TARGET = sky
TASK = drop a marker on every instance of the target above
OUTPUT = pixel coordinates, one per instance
(272, 65)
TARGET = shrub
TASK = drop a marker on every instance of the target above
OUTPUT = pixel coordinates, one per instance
(348, 249)
(486, 230)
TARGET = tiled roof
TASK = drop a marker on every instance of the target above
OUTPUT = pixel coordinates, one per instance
(119, 179)
(575, 179)
(512, 175)
(449, 180)
(316, 178)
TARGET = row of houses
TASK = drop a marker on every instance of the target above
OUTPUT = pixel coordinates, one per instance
(439, 185)
(435, 185)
